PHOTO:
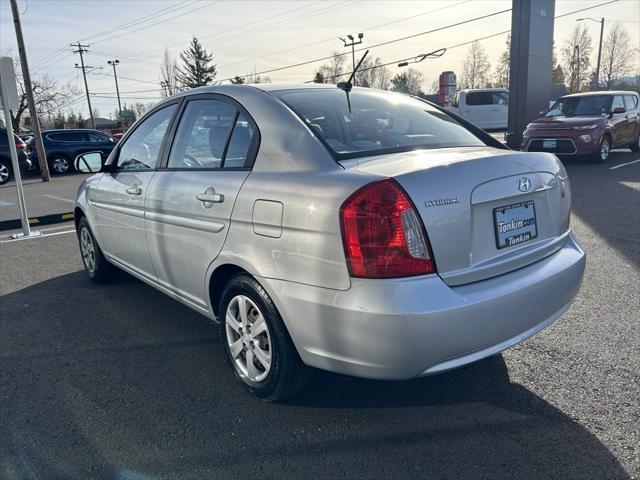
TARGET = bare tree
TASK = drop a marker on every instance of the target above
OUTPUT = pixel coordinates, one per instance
(372, 74)
(335, 68)
(168, 73)
(576, 57)
(141, 108)
(617, 57)
(501, 78)
(557, 73)
(49, 97)
(475, 68)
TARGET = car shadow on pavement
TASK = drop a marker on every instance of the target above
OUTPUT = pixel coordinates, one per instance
(610, 206)
(121, 382)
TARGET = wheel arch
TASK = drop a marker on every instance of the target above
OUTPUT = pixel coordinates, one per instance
(218, 279)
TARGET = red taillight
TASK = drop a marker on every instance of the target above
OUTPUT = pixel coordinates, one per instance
(21, 145)
(382, 234)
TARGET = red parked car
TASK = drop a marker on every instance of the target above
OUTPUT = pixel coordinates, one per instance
(588, 124)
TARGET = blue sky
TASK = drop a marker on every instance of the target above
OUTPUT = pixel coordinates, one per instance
(248, 35)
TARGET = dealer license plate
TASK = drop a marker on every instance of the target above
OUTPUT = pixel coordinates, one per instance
(515, 224)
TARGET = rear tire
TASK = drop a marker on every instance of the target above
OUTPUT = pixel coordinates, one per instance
(601, 155)
(635, 147)
(96, 266)
(264, 358)
(6, 173)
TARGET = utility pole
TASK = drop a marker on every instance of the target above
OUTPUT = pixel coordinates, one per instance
(26, 77)
(353, 44)
(113, 63)
(601, 22)
(576, 55)
(82, 49)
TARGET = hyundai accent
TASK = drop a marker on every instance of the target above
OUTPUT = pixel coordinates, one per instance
(347, 229)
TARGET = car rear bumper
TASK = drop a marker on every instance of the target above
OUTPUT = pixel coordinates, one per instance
(411, 327)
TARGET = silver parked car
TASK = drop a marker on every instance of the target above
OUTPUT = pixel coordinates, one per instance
(358, 231)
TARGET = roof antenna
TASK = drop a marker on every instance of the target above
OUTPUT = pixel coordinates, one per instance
(347, 86)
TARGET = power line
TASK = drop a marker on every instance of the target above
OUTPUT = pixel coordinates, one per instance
(144, 18)
(147, 52)
(467, 42)
(81, 50)
(475, 19)
(158, 22)
(331, 39)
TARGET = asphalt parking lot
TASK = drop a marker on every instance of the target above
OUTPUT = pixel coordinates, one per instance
(122, 382)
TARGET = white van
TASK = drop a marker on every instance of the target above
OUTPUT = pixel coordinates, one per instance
(487, 108)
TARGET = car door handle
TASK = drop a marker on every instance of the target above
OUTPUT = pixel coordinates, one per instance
(133, 190)
(210, 196)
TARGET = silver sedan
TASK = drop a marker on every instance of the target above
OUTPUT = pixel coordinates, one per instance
(353, 230)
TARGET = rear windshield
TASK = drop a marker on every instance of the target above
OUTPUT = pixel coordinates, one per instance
(588, 105)
(378, 122)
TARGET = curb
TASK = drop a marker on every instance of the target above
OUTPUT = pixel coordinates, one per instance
(34, 221)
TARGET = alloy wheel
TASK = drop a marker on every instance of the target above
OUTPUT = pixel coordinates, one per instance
(248, 338)
(60, 165)
(87, 249)
(4, 173)
(605, 147)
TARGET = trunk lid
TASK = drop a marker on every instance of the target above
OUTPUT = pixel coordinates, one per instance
(456, 192)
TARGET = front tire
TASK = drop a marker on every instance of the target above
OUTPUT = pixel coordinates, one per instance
(96, 266)
(59, 164)
(5, 171)
(256, 342)
(604, 149)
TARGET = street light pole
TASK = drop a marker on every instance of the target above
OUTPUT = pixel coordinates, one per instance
(601, 22)
(353, 44)
(113, 63)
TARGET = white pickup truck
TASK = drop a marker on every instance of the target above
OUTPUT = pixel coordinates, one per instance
(486, 108)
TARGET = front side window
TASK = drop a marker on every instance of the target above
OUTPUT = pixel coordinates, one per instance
(141, 150)
(372, 123)
(588, 105)
(202, 135)
(500, 98)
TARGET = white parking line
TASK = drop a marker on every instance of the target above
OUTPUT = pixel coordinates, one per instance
(59, 198)
(40, 236)
(624, 164)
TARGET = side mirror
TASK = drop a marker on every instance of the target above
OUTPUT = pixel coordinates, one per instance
(88, 162)
(619, 110)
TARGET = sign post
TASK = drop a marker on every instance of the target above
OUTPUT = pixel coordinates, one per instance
(9, 95)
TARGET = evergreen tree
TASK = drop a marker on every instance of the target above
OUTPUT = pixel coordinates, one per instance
(58, 120)
(196, 68)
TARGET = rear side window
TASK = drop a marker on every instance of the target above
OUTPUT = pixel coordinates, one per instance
(141, 150)
(69, 136)
(617, 102)
(479, 98)
(202, 135)
(211, 134)
(239, 144)
(631, 102)
(97, 137)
